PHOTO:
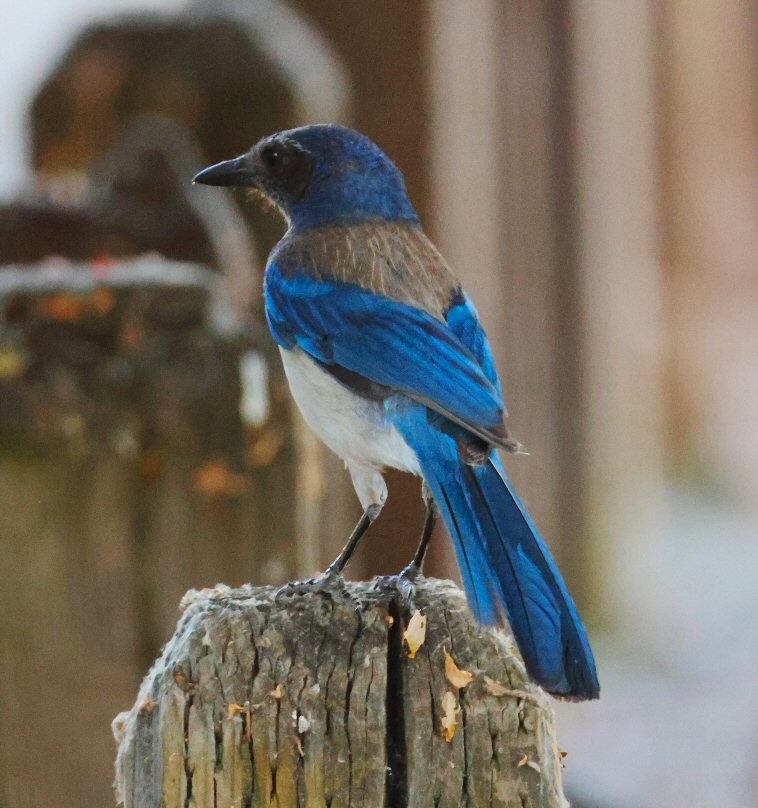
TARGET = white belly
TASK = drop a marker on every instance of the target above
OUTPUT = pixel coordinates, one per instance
(352, 427)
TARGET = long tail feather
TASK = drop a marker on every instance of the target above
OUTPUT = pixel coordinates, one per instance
(506, 566)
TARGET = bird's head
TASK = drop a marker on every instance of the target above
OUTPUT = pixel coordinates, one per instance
(318, 176)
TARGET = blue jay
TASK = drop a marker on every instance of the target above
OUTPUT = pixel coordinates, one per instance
(387, 360)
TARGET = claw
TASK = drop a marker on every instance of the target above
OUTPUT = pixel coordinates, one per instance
(412, 572)
(404, 583)
(330, 584)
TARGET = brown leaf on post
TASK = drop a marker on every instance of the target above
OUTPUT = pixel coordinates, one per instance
(457, 677)
(449, 720)
(415, 633)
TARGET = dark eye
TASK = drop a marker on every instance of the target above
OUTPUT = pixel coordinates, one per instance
(271, 156)
(288, 168)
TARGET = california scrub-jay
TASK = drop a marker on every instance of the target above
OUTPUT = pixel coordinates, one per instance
(390, 366)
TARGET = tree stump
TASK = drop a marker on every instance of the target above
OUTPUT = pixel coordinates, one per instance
(317, 700)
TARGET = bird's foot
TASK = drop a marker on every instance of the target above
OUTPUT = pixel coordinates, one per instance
(331, 584)
(404, 583)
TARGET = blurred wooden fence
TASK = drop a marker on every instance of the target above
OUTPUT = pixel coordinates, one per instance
(147, 439)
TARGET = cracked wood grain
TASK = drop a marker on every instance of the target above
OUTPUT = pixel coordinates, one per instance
(310, 702)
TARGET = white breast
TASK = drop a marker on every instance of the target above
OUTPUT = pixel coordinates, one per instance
(352, 427)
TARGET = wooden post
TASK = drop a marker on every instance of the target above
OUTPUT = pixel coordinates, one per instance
(320, 701)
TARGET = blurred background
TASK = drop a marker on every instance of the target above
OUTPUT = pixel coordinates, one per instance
(590, 169)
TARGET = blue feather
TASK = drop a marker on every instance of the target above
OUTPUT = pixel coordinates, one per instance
(463, 321)
(382, 312)
(395, 345)
(505, 564)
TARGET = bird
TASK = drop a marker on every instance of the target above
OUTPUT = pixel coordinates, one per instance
(387, 359)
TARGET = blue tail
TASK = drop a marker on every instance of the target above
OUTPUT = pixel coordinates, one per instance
(505, 564)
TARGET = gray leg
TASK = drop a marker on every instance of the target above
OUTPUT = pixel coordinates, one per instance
(404, 582)
(372, 492)
(369, 516)
(415, 568)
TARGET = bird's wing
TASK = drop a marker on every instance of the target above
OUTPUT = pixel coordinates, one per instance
(463, 321)
(391, 344)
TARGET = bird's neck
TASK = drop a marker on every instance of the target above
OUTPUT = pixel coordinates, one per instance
(352, 201)
(329, 214)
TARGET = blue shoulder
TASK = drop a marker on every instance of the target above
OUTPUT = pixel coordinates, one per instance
(284, 316)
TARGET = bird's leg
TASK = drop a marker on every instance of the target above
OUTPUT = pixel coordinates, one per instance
(369, 516)
(331, 578)
(372, 492)
(404, 582)
(416, 567)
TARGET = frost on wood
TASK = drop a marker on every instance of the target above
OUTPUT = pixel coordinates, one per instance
(314, 701)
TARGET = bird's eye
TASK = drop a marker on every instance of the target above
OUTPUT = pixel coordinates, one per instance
(271, 156)
(288, 168)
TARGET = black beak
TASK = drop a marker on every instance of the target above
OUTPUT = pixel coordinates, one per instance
(230, 172)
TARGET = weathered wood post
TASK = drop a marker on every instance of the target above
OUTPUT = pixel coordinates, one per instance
(351, 700)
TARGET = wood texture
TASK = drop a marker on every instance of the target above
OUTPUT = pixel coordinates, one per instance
(314, 700)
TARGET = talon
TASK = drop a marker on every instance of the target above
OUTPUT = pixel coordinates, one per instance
(407, 589)
(325, 584)
(403, 584)
(412, 572)
(331, 585)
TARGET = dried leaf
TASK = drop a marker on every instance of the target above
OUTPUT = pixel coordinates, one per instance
(277, 692)
(457, 677)
(524, 760)
(415, 633)
(235, 709)
(449, 720)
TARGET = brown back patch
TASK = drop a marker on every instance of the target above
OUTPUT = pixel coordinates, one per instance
(393, 259)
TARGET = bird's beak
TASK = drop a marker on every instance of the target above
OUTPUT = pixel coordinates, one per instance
(231, 172)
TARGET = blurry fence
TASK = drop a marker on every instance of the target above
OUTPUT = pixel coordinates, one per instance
(147, 440)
